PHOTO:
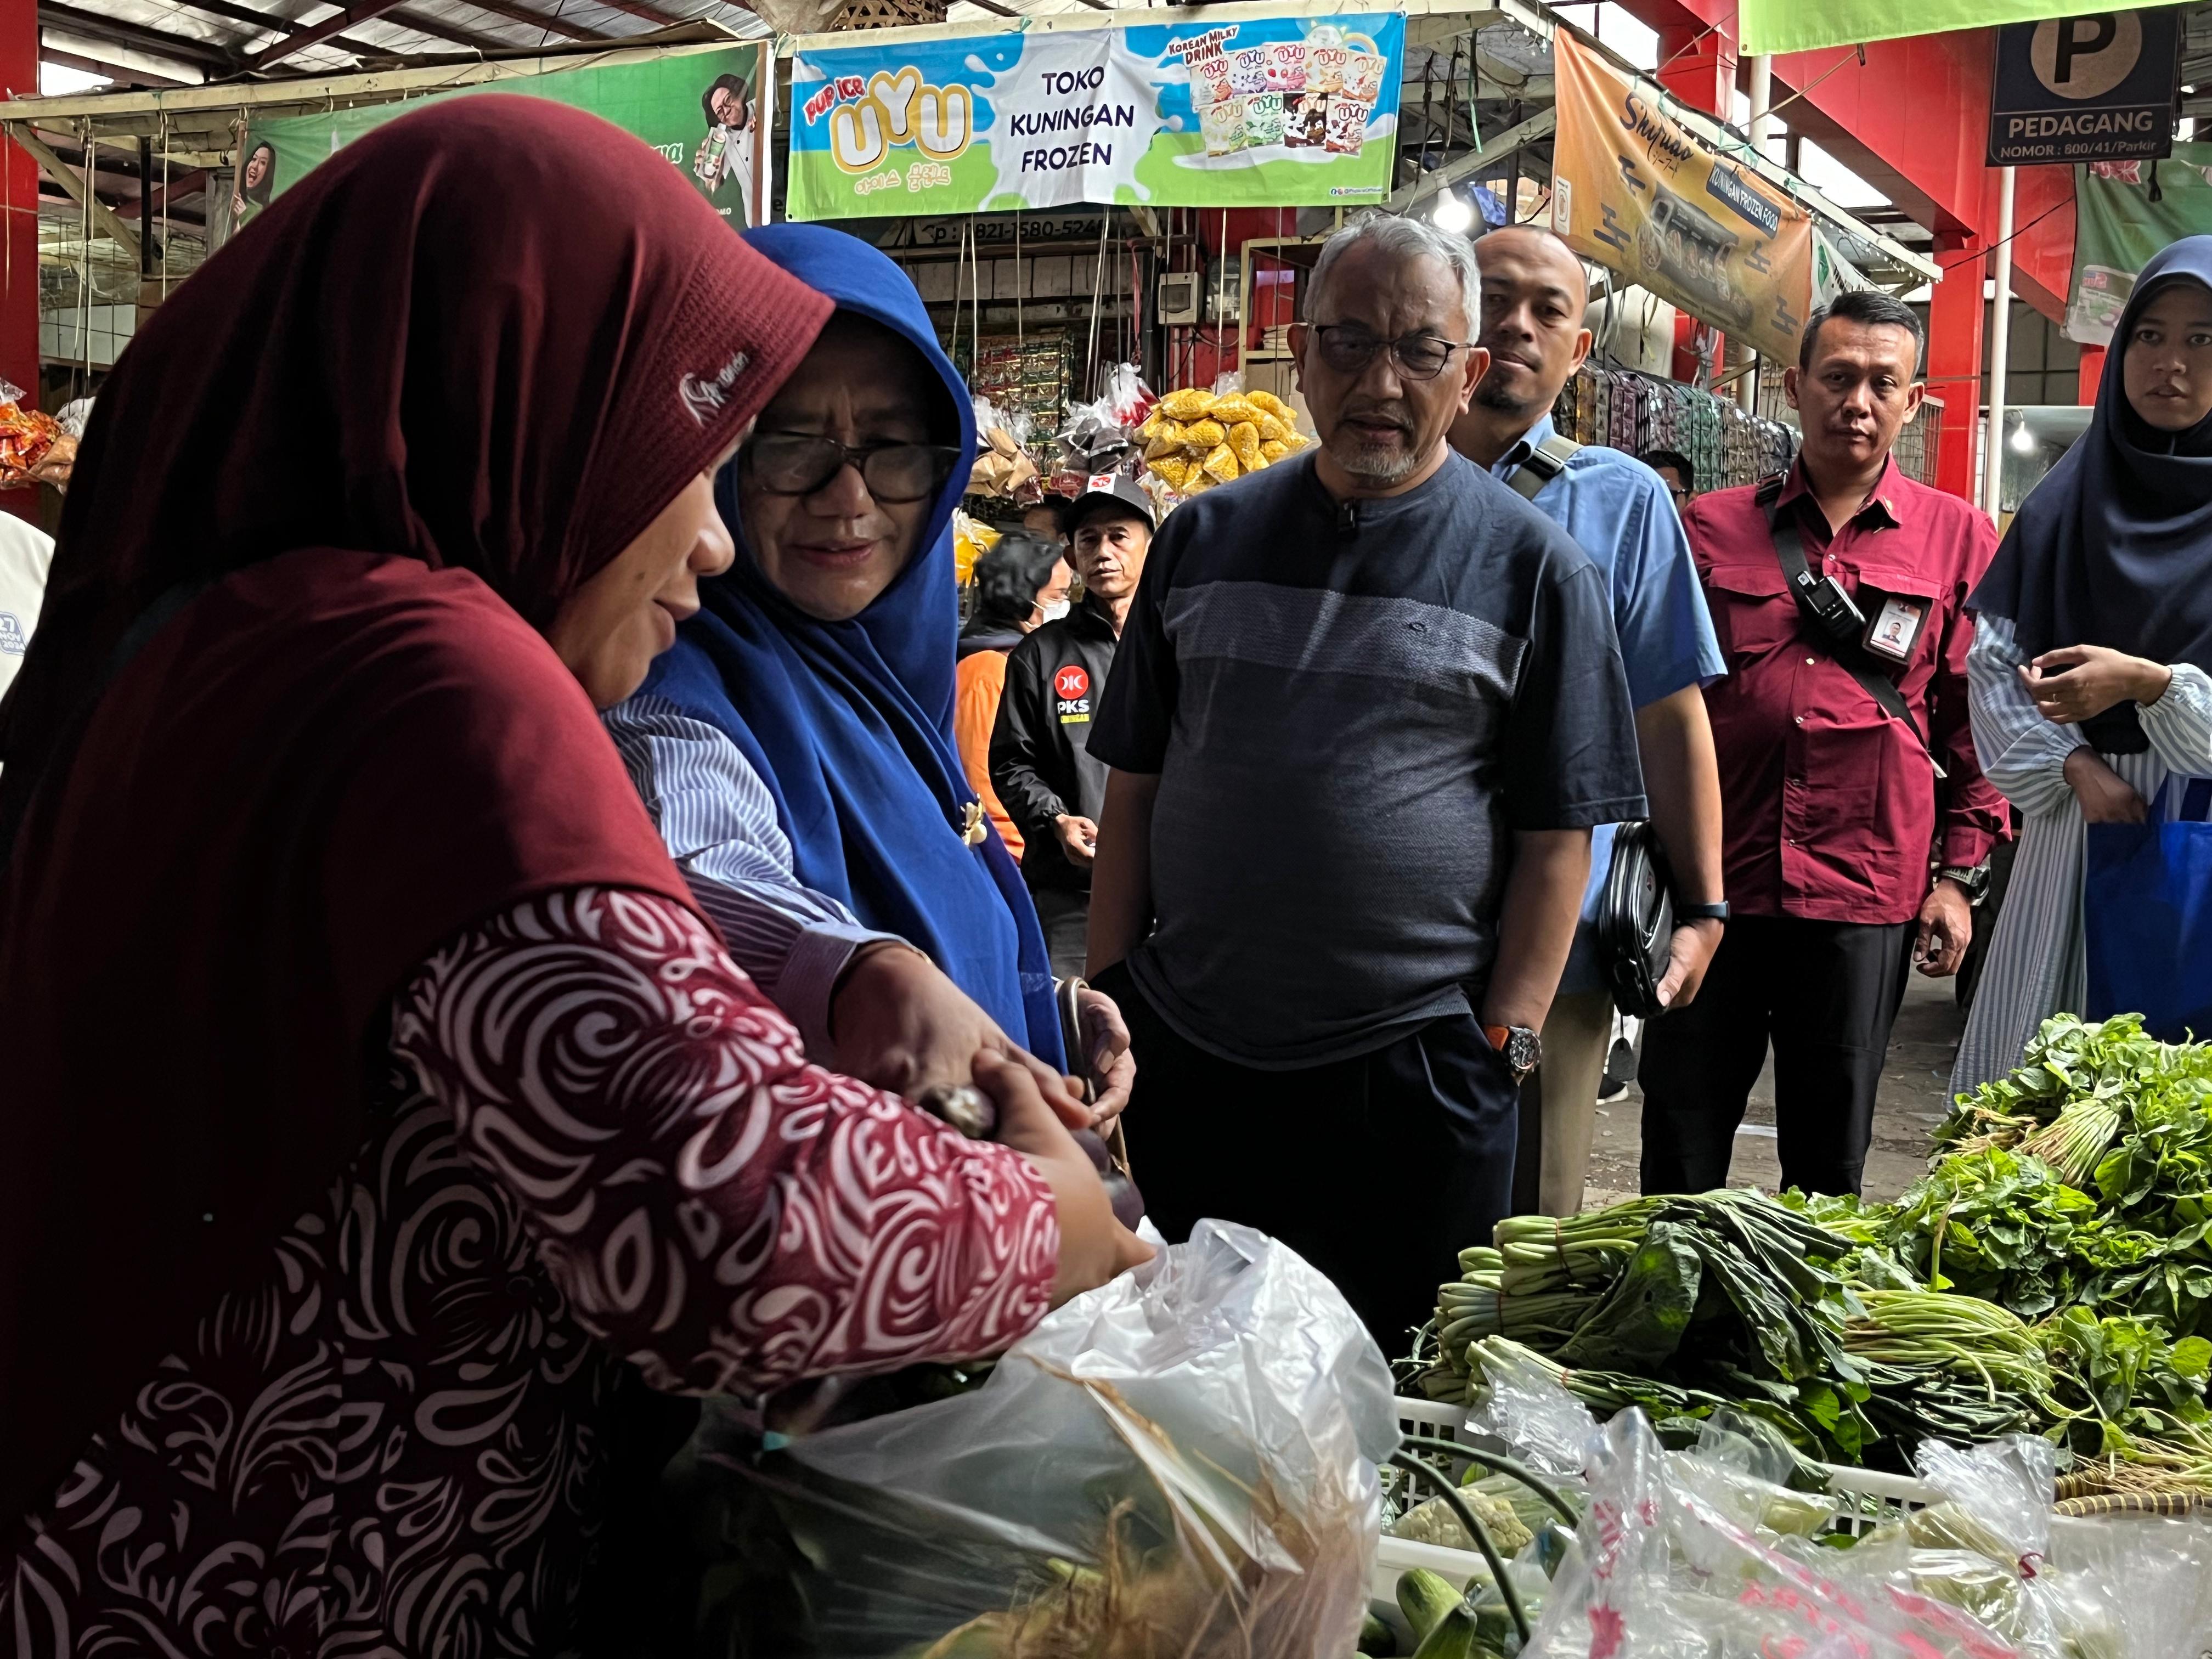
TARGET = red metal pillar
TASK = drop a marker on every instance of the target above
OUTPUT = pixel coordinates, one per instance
(2092, 373)
(1698, 65)
(1955, 317)
(19, 227)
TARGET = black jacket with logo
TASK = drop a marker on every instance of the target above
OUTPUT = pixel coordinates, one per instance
(1041, 762)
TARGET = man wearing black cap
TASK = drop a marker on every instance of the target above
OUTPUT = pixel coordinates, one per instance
(1041, 761)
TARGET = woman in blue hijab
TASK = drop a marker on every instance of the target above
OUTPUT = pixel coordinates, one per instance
(826, 660)
(2090, 680)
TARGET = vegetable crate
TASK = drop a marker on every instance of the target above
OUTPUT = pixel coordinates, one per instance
(1864, 1499)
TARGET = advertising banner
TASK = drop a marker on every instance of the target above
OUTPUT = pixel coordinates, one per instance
(2094, 89)
(705, 110)
(1800, 26)
(2118, 224)
(1636, 193)
(1282, 112)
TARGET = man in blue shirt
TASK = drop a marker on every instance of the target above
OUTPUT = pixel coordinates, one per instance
(1620, 513)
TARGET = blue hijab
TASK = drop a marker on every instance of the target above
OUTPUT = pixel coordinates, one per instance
(2114, 548)
(850, 723)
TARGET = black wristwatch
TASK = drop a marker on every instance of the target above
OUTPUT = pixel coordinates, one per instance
(1520, 1048)
(1976, 880)
(1711, 910)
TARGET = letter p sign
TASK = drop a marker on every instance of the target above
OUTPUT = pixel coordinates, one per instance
(2084, 58)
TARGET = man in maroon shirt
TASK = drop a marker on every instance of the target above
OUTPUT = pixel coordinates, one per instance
(1832, 801)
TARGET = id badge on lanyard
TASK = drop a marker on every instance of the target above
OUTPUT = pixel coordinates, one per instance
(1895, 629)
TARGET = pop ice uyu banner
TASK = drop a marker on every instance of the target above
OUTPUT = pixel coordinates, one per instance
(1265, 111)
(1634, 192)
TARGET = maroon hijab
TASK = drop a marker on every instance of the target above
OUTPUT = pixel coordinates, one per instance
(287, 724)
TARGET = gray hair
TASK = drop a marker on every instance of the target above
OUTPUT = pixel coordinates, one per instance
(1407, 238)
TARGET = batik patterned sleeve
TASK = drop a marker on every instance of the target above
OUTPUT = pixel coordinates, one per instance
(725, 1215)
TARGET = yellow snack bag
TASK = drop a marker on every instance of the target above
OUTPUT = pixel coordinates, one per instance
(1187, 404)
(1205, 435)
(1269, 403)
(1244, 444)
(1173, 470)
(1272, 431)
(1231, 409)
(1166, 440)
(1221, 464)
(1274, 449)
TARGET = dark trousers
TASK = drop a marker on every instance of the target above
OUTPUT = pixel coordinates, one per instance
(1066, 917)
(1379, 1170)
(1825, 994)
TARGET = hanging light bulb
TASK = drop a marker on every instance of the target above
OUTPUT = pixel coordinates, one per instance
(1453, 212)
(2023, 439)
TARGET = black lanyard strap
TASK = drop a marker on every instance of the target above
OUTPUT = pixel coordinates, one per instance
(1784, 529)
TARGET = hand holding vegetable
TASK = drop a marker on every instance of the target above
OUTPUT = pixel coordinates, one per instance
(1106, 1050)
(2105, 796)
(896, 1021)
(1094, 1246)
(2077, 682)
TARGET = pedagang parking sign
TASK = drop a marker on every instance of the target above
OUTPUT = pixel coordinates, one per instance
(2099, 87)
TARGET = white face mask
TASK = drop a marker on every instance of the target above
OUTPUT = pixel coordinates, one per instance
(1054, 611)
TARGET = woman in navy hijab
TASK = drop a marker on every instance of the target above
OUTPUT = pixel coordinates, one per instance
(797, 745)
(2089, 673)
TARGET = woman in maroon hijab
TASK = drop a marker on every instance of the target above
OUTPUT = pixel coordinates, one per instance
(373, 1093)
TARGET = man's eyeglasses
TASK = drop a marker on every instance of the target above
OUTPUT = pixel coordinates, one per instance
(795, 464)
(1348, 348)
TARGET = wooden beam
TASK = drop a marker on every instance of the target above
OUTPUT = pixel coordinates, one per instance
(313, 34)
(63, 174)
(209, 110)
(1533, 131)
(180, 185)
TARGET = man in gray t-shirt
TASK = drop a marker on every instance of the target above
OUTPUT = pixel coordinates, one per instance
(1366, 707)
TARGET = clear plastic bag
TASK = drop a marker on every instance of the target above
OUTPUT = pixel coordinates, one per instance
(1522, 1404)
(1659, 1572)
(1179, 1463)
(2140, 1591)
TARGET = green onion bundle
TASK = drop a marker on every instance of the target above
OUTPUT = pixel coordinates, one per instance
(1934, 1331)
(2072, 1144)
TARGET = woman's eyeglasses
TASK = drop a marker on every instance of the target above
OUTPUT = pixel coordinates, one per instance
(795, 464)
(1348, 348)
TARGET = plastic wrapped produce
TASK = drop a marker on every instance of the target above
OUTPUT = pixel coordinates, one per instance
(1179, 1463)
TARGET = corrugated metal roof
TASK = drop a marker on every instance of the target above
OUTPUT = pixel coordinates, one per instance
(203, 39)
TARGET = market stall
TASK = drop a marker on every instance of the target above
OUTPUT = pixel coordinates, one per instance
(1225, 145)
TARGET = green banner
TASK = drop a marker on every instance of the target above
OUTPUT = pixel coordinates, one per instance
(702, 108)
(1775, 26)
(2117, 226)
(1235, 108)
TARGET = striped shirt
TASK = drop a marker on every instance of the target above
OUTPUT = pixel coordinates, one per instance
(719, 820)
(2038, 963)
